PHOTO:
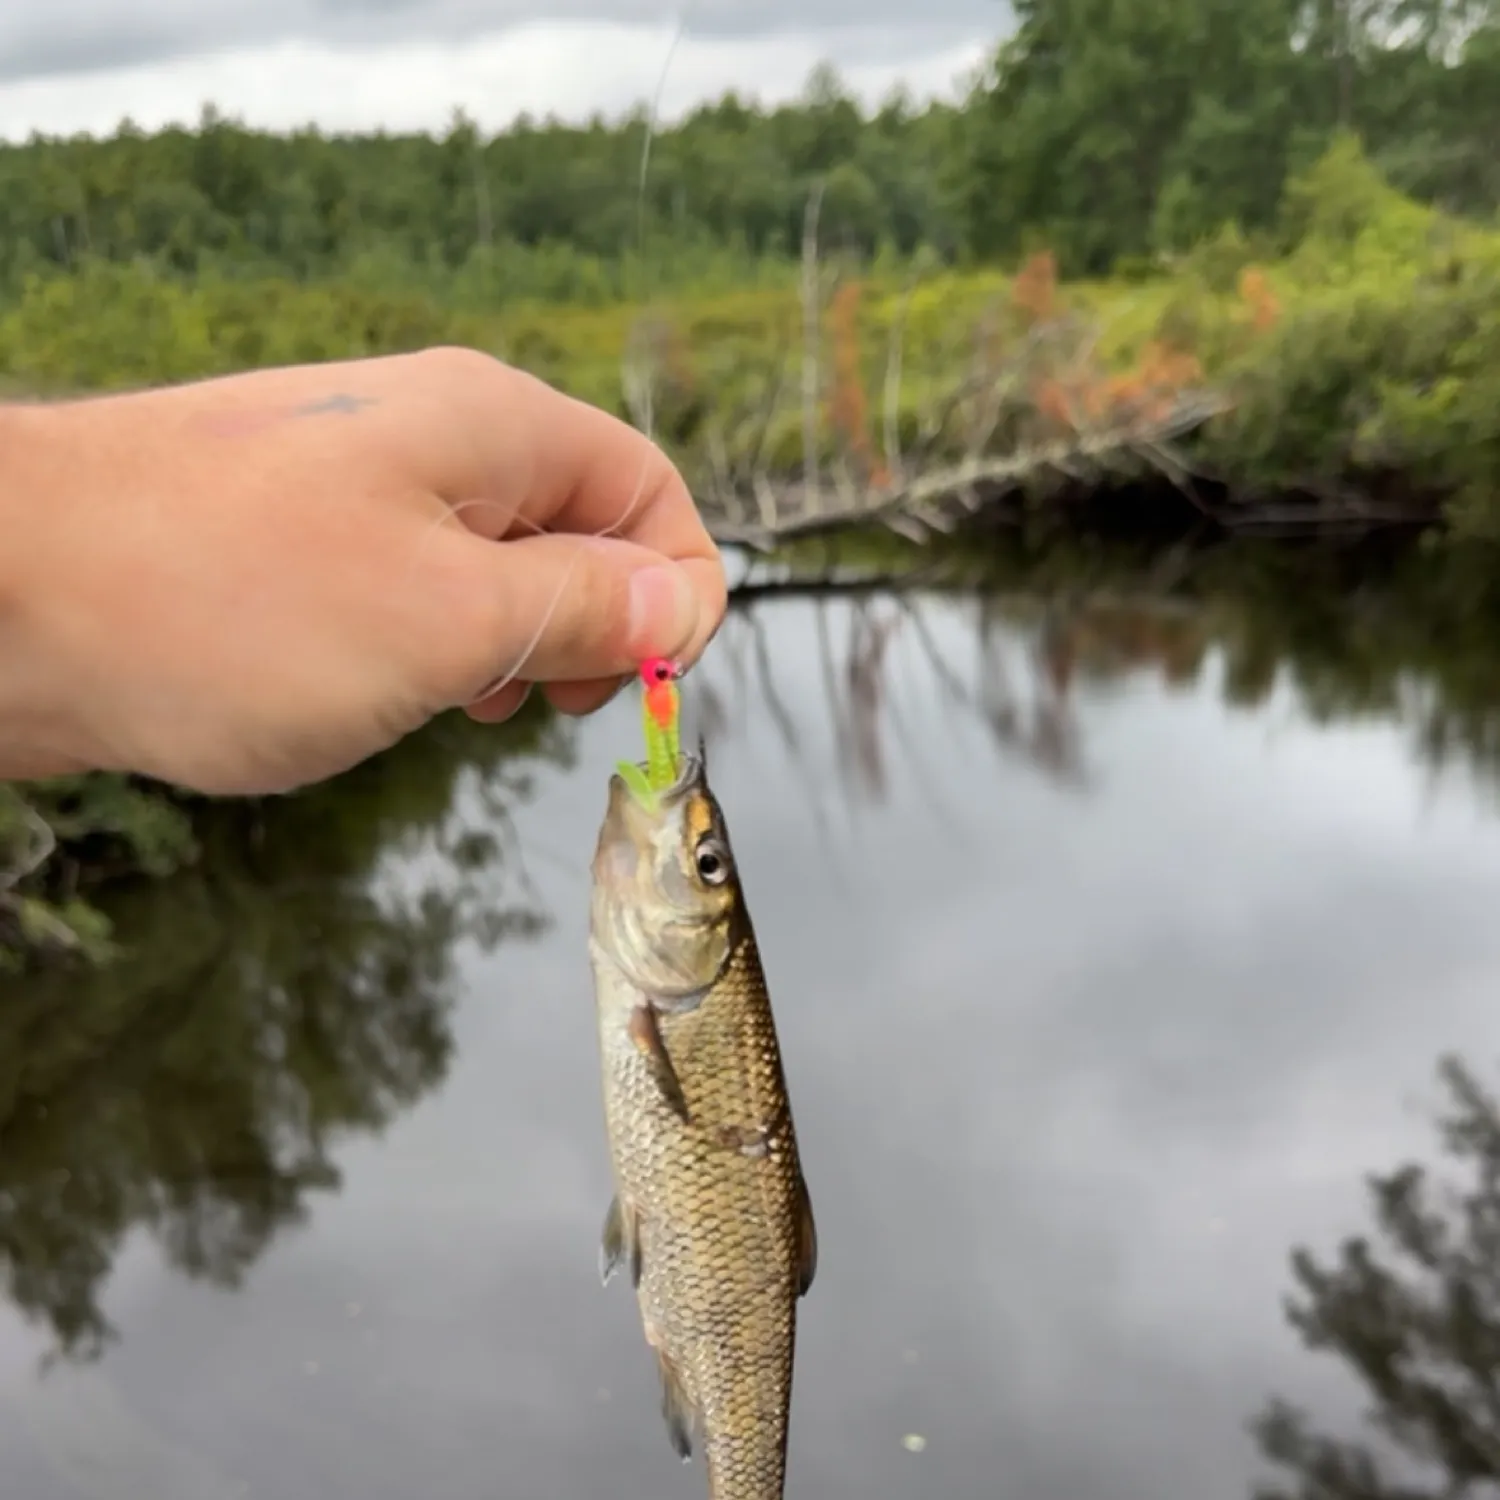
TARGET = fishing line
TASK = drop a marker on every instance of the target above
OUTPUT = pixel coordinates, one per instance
(44, 840)
(452, 512)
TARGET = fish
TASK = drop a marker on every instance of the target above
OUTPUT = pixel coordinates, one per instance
(711, 1216)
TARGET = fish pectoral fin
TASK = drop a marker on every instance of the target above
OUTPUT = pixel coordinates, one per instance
(646, 1034)
(621, 1241)
(676, 1409)
(807, 1241)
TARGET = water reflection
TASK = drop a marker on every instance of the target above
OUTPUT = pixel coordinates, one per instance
(1008, 679)
(1101, 956)
(1374, 630)
(1415, 1314)
(288, 989)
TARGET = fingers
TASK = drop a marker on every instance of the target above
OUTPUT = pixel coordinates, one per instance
(575, 699)
(536, 461)
(582, 611)
(499, 704)
(559, 464)
(579, 698)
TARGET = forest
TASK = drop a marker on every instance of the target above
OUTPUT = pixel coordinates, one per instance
(1178, 177)
(1107, 133)
(1250, 247)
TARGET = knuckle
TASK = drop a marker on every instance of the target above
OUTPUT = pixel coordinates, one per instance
(459, 365)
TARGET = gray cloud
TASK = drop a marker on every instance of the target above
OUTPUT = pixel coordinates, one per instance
(74, 36)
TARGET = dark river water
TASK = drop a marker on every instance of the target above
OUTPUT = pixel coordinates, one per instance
(1100, 994)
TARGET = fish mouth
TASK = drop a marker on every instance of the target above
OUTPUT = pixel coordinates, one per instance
(632, 829)
(692, 775)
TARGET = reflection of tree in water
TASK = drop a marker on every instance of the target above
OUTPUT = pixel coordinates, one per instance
(1418, 1321)
(853, 637)
(1374, 630)
(1412, 638)
(287, 988)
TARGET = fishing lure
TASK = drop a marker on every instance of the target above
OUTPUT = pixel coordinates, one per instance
(661, 706)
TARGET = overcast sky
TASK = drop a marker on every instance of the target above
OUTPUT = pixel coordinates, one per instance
(68, 65)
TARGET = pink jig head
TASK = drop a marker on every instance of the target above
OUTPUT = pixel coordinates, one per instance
(660, 675)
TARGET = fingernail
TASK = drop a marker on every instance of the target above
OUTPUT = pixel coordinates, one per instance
(663, 611)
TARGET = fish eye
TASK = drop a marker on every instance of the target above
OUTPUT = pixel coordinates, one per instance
(712, 860)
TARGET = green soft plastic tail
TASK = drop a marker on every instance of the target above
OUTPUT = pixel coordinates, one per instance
(663, 754)
(635, 778)
(663, 744)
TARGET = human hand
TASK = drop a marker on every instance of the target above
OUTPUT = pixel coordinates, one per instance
(251, 583)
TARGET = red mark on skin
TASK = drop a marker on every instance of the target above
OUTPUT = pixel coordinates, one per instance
(660, 675)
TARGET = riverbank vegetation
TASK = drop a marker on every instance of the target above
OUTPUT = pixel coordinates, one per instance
(1244, 258)
(195, 1087)
(1346, 354)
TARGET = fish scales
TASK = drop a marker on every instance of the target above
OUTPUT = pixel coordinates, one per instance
(711, 1208)
(717, 1228)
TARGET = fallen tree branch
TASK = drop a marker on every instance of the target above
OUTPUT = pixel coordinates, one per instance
(927, 502)
(1033, 413)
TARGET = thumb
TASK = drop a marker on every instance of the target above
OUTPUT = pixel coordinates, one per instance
(572, 609)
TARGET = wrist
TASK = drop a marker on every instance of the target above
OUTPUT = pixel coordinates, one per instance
(17, 459)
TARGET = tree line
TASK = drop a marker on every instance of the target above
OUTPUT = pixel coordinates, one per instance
(1110, 130)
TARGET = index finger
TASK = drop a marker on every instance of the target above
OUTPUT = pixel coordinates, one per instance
(574, 467)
